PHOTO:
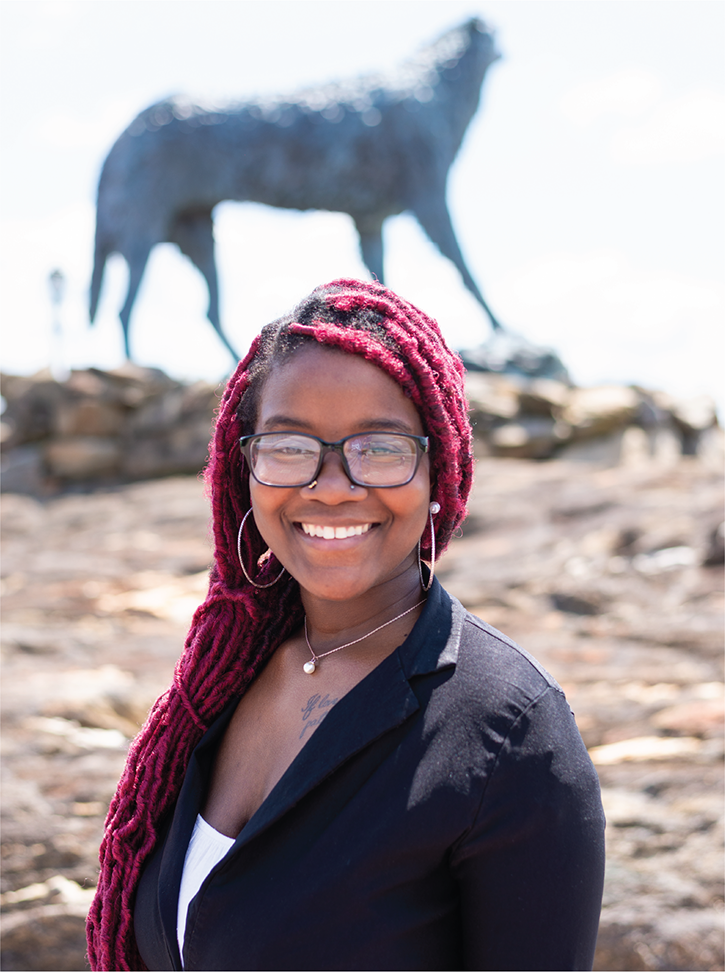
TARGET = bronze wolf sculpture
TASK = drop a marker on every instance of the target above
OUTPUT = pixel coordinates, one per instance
(372, 148)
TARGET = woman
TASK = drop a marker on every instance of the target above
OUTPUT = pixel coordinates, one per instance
(384, 781)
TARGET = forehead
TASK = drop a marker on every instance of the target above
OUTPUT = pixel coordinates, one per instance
(327, 387)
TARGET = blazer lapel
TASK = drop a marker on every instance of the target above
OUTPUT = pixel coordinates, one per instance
(189, 804)
(374, 707)
(378, 704)
(382, 701)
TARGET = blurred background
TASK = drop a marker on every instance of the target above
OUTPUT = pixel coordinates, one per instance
(587, 196)
(588, 201)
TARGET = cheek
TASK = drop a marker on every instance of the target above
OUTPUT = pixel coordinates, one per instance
(265, 502)
(422, 480)
(414, 503)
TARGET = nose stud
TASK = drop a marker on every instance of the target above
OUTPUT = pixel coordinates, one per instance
(312, 485)
(352, 485)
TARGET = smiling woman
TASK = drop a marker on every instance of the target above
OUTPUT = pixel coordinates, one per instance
(344, 537)
(349, 770)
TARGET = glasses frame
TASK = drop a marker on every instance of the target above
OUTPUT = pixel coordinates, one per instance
(421, 448)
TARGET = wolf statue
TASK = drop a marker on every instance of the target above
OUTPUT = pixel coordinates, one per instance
(373, 148)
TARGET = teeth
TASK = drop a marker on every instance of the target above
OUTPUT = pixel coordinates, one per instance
(334, 533)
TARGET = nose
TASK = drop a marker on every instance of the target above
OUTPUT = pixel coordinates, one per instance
(333, 486)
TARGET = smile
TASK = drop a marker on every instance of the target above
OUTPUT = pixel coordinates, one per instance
(334, 533)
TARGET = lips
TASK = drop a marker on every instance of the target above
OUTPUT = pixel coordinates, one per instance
(328, 532)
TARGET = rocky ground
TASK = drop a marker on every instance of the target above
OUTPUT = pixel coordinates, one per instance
(611, 577)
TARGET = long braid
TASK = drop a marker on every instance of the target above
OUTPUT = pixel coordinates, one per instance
(239, 626)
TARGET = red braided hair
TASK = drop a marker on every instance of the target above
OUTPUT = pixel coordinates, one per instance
(238, 626)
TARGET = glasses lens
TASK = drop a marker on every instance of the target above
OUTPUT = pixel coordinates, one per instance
(282, 459)
(381, 458)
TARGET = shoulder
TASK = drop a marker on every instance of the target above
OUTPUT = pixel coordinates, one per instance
(495, 697)
(484, 651)
(476, 676)
(493, 669)
(508, 701)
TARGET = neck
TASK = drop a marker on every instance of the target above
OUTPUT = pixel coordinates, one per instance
(331, 622)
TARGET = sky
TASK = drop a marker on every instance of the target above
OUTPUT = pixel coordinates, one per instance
(588, 195)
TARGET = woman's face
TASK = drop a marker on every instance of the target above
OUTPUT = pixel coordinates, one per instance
(331, 394)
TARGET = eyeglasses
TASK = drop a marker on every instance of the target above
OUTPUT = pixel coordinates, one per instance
(379, 459)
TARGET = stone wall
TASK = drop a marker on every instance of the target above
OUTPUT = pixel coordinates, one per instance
(540, 418)
(102, 427)
(137, 423)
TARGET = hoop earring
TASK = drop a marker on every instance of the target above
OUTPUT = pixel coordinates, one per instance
(433, 508)
(241, 562)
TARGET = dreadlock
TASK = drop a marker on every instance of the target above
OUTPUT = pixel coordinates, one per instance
(239, 626)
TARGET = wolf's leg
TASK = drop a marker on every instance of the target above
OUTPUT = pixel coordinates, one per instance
(194, 235)
(370, 231)
(432, 214)
(136, 260)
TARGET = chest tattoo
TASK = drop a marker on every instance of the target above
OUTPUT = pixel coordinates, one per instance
(314, 711)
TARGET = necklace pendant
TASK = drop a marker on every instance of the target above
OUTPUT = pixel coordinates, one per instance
(309, 667)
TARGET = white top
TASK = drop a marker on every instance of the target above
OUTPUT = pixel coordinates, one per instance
(206, 848)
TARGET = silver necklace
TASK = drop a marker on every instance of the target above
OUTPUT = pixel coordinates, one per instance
(309, 667)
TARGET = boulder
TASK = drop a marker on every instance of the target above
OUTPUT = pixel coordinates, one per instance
(48, 937)
(89, 417)
(600, 410)
(528, 438)
(509, 353)
(544, 396)
(80, 458)
(695, 414)
(705, 717)
(491, 397)
(32, 404)
(22, 470)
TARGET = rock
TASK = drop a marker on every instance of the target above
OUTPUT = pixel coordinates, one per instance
(577, 603)
(694, 414)
(528, 438)
(661, 886)
(508, 353)
(715, 554)
(544, 396)
(158, 414)
(182, 449)
(602, 450)
(661, 940)
(82, 458)
(104, 425)
(23, 471)
(89, 417)
(492, 396)
(706, 717)
(596, 411)
(50, 937)
(690, 417)
(645, 749)
(32, 404)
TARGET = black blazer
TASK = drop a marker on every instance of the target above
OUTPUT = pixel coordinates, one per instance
(445, 815)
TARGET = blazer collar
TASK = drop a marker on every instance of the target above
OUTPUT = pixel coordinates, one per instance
(379, 703)
(433, 643)
(375, 706)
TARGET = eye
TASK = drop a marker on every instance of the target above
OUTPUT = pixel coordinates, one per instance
(382, 447)
(286, 447)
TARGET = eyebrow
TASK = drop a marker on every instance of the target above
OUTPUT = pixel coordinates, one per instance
(378, 424)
